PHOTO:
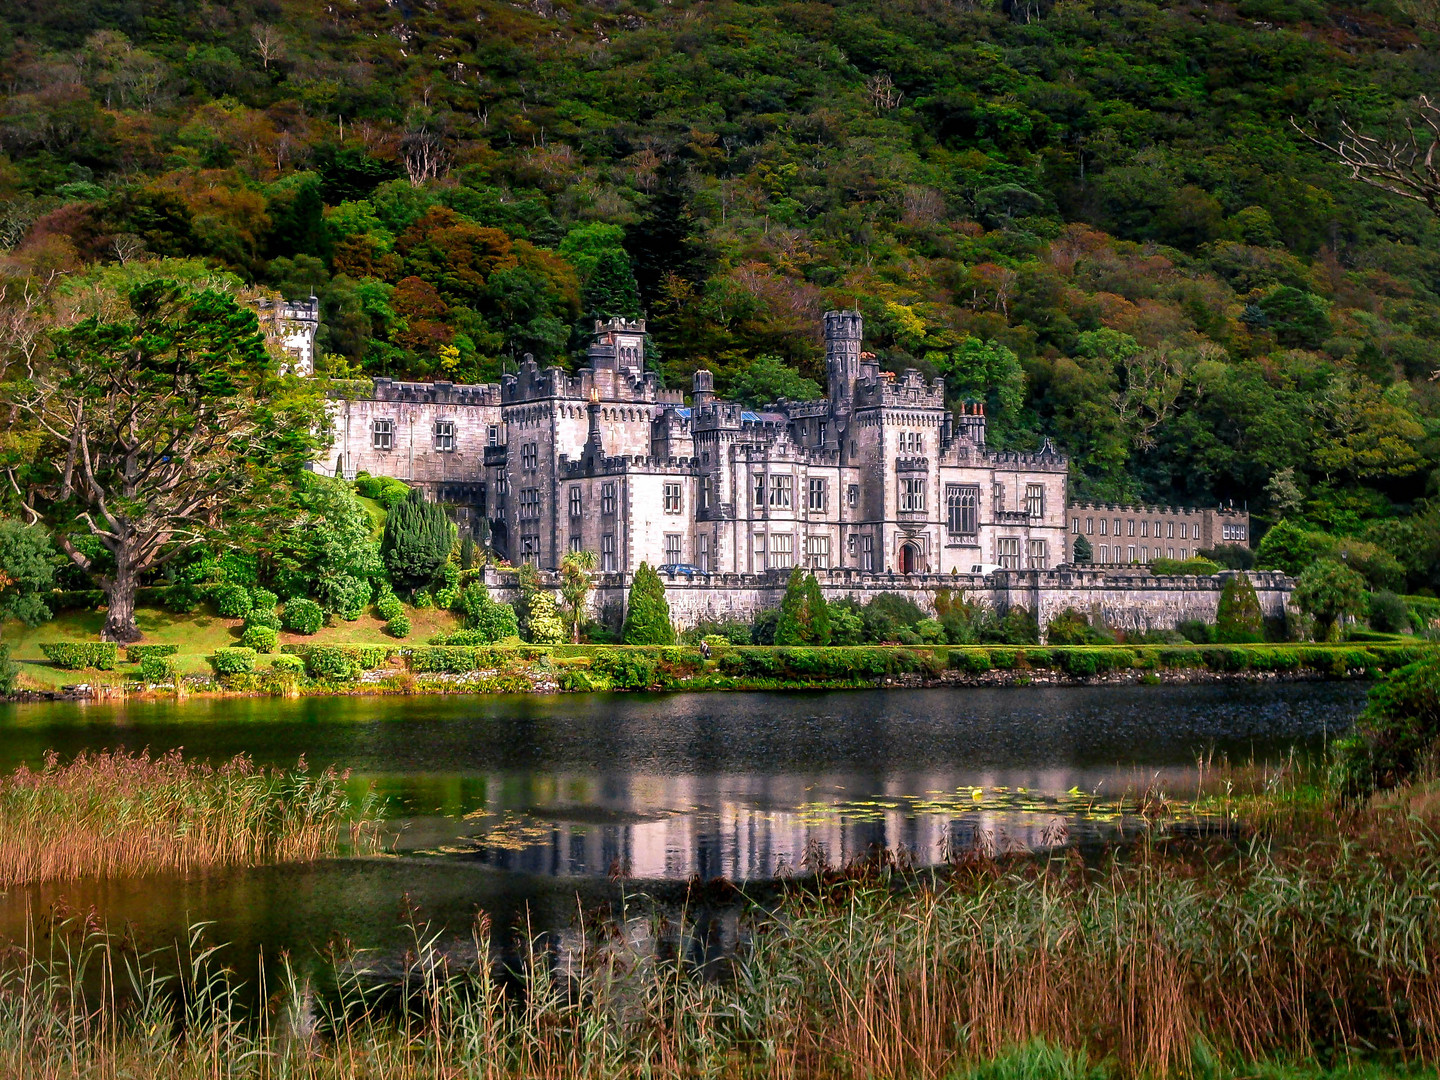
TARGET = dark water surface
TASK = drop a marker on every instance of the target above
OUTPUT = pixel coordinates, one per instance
(516, 805)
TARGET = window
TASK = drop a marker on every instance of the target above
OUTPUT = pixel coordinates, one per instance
(607, 498)
(1038, 558)
(1232, 532)
(702, 552)
(672, 498)
(759, 491)
(445, 436)
(816, 496)
(530, 456)
(382, 434)
(1170, 531)
(1170, 553)
(962, 510)
(852, 496)
(529, 546)
(529, 502)
(1131, 523)
(1104, 527)
(607, 553)
(576, 544)
(867, 553)
(1144, 528)
(999, 496)
(1159, 531)
(492, 435)
(1104, 552)
(577, 501)
(1075, 525)
(705, 482)
(817, 552)
(782, 551)
(1184, 530)
(781, 490)
(912, 495)
(1132, 553)
(673, 548)
(820, 432)
(1117, 527)
(1145, 552)
(1008, 550)
(1035, 500)
(1184, 553)
(757, 552)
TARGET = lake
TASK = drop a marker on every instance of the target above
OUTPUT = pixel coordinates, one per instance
(528, 808)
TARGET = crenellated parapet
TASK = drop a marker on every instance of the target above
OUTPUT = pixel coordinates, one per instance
(434, 393)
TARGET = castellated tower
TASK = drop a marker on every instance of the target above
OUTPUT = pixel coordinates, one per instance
(843, 331)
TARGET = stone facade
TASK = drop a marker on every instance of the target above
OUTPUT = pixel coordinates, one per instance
(292, 325)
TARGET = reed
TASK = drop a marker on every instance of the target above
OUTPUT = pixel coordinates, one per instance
(114, 814)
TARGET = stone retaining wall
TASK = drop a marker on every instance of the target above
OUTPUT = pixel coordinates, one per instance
(1129, 599)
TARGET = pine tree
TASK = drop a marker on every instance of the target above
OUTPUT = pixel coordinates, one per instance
(1082, 551)
(804, 618)
(1238, 617)
(417, 541)
(611, 290)
(647, 614)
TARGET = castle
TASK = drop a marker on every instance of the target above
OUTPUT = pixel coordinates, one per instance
(876, 486)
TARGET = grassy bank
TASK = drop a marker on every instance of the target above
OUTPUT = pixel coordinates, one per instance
(1316, 945)
(115, 814)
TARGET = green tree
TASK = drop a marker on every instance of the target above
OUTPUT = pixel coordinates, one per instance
(27, 572)
(1328, 591)
(329, 550)
(1289, 548)
(1238, 617)
(1397, 737)
(417, 541)
(768, 378)
(494, 620)
(610, 290)
(1081, 552)
(575, 585)
(543, 624)
(804, 619)
(647, 612)
(155, 429)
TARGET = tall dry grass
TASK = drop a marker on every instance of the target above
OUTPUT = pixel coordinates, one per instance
(1159, 963)
(113, 814)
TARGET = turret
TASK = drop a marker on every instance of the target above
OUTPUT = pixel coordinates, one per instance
(619, 345)
(702, 391)
(843, 331)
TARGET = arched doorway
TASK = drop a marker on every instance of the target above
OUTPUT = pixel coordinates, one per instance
(909, 558)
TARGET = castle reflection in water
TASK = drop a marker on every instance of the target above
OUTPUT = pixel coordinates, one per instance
(742, 826)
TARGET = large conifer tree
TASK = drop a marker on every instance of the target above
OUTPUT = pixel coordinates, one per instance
(804, 617)
(417, 541)
(647, 615)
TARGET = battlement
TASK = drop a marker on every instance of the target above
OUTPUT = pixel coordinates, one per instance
(572, 469)
(435, 393)
(909, 390)
(534, 383)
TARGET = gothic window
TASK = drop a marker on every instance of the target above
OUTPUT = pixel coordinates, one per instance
(1039, 559)
(817, 552)
(1131, 524)
(382, 434)
(529, 502)
(820, 433)
(702, 552)
(705, 492)
(1170, 531)
(999, 495)
(529, 547)
(1008, 551)
(759, 503)
(576, 544)
(577, 501)
(912, 495)
(1144, 528)
(1131, 556)
(816, 501)
(672, 498)
(782, 488)
(607, 553)
(1035, 500)
(444, 435)
(962, 505)
(1104, 551)
(867, 553)
(1075, 526)
(852, 496)
(1104, 526)
(530, 456)
(607, 499)
(1090, 526)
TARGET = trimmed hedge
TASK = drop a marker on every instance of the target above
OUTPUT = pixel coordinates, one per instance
(262, 639)
(138, 654)
(262, 617)
(157, 669)
(286, 664)
(399, 626)
(339, 662)
(79, 655)
(234, 661)
(233, 601)
(302, 615)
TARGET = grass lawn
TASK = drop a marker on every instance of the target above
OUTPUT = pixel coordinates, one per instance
(197, 634)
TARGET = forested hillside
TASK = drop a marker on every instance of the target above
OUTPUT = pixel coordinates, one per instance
(1103, 218)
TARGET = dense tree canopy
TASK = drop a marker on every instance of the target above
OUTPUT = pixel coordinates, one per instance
(1111, 223)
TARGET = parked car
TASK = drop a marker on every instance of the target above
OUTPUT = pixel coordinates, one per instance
(983, 568)
(679, 569)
